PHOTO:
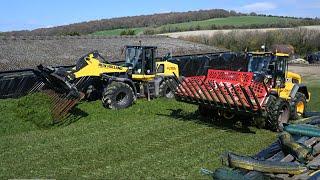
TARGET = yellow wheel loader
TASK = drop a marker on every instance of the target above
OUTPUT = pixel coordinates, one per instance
(288, 95)
(267, 91)
(117, 86)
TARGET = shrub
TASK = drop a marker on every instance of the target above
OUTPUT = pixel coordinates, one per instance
(128, 32)
(303, 40)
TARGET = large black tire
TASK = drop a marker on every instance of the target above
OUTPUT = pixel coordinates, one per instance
(278, 113)
(298, 108)
(166, 90)
(117, 95)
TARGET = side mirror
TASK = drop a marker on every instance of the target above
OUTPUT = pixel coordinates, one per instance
(167, 56)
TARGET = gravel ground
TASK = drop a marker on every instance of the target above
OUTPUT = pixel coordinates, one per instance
(309, 72)
(18, 53)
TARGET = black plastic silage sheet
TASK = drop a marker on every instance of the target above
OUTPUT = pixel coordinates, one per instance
(197, 65)
(15, 84)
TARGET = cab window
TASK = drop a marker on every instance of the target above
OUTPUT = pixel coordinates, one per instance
(160, 68)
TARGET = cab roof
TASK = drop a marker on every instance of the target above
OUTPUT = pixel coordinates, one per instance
(141, 47)
(269, 53)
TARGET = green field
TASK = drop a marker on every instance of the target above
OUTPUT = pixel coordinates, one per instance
(151, 139)
(116, 32)
(157, 139)
(238, 21)
(234, 21)
(314, 87)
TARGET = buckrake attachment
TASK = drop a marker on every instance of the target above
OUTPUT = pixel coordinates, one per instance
(226, 90)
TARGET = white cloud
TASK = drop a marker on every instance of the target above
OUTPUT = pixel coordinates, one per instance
(259, 7)
(49, 26)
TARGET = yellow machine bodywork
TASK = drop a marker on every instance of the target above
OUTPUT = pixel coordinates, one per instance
(96, 68)
(291, 78)
(164, 68)
(169, 69)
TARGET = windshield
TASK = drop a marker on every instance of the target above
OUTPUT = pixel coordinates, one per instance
(259, 63)
(81, 63)
(133, 56)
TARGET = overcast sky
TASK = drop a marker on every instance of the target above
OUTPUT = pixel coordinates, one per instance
(31, 14)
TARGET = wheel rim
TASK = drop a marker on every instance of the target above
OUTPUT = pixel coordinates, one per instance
(120, 97)
(168, 93)
(300, 108)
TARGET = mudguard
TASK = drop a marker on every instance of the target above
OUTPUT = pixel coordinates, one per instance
(109, 79)
(300, 88)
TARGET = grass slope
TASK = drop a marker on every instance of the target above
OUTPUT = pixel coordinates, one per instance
(157, 139)
(116, 32)
(313, 85)
(235, 21)
(218, 22)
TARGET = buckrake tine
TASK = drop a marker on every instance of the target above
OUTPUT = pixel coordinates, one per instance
(59, 103)
(203, 92)
(173, 87)
(217, 94)
(238, 96)
(186, 91)
(223, 95)
(231, 96)
(211, 95)
(67, 107)
(244, 91)
(59, 109)
(192, 93)
(255, 98)
(36, 87)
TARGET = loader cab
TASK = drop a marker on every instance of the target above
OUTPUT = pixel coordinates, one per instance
(141, 59)
(269, 65)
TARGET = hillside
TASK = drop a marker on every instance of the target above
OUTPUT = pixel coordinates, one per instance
(216, 23)
(153, 20)
(169, 22)
(233, 22)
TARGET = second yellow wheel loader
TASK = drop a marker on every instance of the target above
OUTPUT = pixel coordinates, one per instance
(117, 86)
(266, 91)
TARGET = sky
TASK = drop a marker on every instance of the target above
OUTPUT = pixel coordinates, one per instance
(32, 14)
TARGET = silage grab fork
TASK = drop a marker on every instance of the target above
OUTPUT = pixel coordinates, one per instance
(64, 94)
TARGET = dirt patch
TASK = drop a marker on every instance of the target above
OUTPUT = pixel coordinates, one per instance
(309, 72)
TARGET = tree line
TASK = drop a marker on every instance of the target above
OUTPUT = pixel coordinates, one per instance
(154, 20)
